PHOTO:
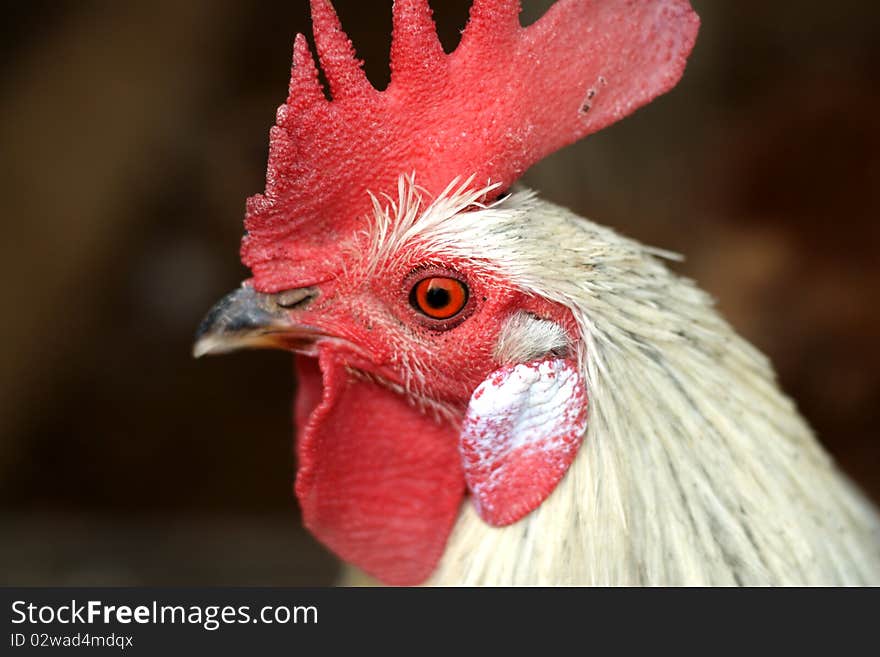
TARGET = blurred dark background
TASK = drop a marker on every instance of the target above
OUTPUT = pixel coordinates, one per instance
(132, 133)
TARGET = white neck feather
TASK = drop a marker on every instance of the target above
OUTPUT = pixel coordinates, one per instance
(695, 470)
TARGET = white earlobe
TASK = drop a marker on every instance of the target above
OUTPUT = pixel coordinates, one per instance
(522, 430)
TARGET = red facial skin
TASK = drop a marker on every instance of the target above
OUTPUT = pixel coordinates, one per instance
(380, 478)
(373, 327)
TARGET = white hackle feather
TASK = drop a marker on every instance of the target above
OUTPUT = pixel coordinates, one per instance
(695, 469)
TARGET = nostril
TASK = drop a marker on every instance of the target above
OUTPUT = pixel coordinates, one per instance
(298, 298)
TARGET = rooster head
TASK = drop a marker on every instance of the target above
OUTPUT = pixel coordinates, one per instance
(426, 368)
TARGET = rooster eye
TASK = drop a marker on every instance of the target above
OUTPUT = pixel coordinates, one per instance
(439, 297)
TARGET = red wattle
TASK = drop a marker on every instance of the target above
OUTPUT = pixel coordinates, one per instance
(379, 482)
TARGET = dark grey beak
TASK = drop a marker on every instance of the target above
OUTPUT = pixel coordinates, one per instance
(247, 319)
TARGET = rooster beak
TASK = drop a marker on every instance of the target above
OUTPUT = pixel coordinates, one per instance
(247, 319)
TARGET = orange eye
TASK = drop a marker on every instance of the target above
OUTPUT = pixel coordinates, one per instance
(439, 297)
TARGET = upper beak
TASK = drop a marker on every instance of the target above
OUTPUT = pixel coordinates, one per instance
(247, 319)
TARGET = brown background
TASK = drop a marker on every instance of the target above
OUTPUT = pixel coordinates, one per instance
(131, 134)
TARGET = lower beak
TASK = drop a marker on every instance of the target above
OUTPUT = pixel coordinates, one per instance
(247, 319)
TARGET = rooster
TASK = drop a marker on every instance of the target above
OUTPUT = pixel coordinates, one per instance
(493, 390)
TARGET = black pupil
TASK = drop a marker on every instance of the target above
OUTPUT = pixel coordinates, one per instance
(437, 297)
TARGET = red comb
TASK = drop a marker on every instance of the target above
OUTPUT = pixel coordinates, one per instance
(507, 97)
